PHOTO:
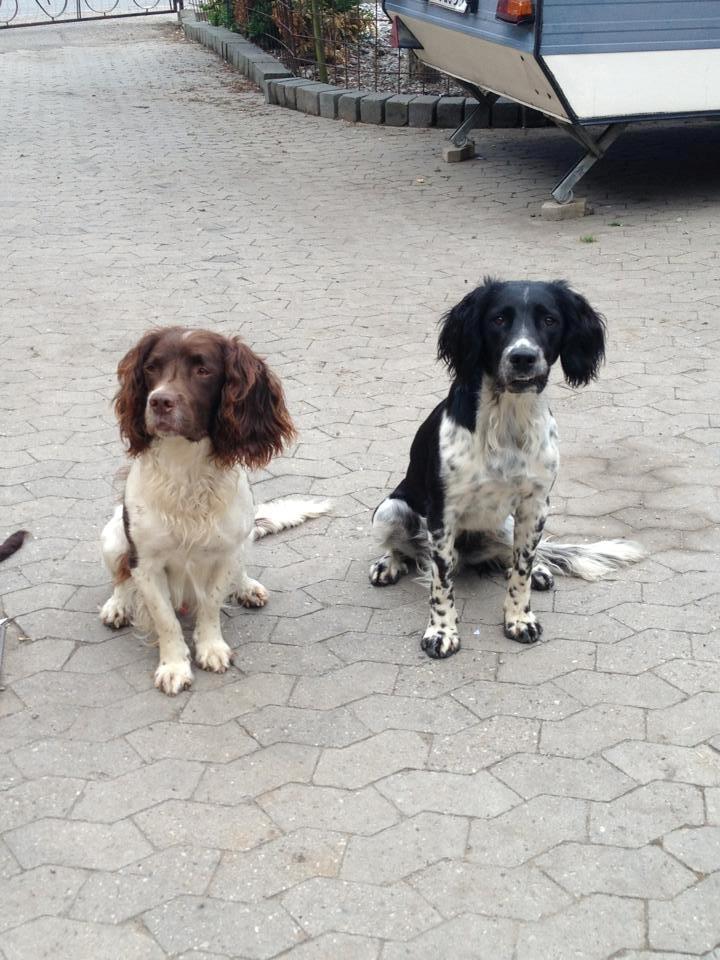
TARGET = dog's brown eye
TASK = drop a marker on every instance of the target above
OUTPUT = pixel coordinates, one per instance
(550, 321)
(150, 367)
(499, 321)
(203, 371)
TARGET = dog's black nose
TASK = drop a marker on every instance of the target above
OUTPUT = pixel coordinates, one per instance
(162, 402)
(523, 359)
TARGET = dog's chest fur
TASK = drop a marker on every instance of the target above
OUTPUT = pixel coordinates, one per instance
(178, 501)
(510, 456)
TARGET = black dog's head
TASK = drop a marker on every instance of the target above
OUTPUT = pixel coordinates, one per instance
(515, 331)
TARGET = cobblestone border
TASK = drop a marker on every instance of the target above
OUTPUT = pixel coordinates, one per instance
(283, 88)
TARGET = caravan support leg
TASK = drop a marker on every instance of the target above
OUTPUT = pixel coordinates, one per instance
(597, 148)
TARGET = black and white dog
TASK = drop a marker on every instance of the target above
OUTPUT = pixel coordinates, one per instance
(483, 463)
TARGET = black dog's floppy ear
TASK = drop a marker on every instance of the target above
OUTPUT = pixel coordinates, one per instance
(460, 340)
(583, 346)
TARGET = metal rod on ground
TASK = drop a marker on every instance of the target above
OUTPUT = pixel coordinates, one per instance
(319, 45)
(3, 627)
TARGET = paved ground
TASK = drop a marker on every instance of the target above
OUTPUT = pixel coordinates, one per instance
(338, 795)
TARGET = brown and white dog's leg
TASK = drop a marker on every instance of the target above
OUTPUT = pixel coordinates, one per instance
(520, 622)
(173, 673)
(117, 611)
(211, 651)
(441, 637)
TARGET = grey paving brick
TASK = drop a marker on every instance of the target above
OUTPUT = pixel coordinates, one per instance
(691, 676)
(73, 758)
(278, 865)
(372, 107)
(297, 805)
(331, 945)
(483, 744)
(583, 869)
(112, 800)
(348, 107)
(690, 922)
(698, 847)
(422, 111)
(329, 100)
(66, 939)
(505, 113)
(95, 846)
(42, 797)
(450, 112)
(392, 912)
(378, 756)
(259, 931)
(591, 730)
(593, 929)
(217, 706)
(588, 779)
(422, 680)
(328, 728)
(116, 897)
(339, 687)
(546, 701)
(443, 715)
(240, 827)
(478, 795)
(528, 829)
(257, 773)
(405, 848)
(520, 893)
(45, 688)
(645, 762)
(687, 723)
(460, 938)
(192, 741)
(396, 109)
(644, 690)
(321, 625)
(645, 814)
(42, 892)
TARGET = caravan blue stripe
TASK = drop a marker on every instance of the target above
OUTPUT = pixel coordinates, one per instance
(613, 26)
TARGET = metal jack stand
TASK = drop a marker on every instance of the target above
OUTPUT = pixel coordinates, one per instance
(459, 137)
(597, 148)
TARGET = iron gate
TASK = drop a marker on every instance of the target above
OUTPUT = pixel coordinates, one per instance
(27, 13)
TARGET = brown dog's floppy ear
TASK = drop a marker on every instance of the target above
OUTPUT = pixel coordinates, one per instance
(131, 398)
(252, 423)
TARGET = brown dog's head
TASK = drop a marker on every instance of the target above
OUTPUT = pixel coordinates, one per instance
(195, 384)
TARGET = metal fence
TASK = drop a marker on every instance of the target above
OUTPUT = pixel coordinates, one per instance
(25, 13)
(344, 42)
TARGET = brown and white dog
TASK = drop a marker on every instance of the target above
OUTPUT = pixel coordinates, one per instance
(196, 409)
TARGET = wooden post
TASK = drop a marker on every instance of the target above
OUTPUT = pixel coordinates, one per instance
(319, 44)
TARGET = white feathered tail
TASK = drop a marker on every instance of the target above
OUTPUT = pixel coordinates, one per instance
(589, 561)
(283, 514)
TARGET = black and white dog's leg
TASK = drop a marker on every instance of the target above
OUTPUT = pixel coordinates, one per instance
(520, 622)
(396, 526)
(441, 638)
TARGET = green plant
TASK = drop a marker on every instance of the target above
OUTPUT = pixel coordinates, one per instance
(219, 13)
(588, 239)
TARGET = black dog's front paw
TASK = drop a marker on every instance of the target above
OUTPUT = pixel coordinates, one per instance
(438, 643)
(541, 578)
(524, 629)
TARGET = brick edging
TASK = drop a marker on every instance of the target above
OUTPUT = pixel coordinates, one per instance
(283, 88)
